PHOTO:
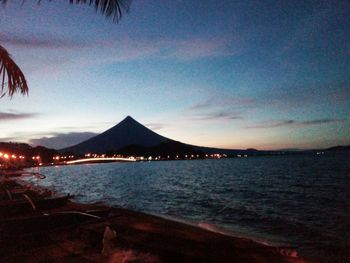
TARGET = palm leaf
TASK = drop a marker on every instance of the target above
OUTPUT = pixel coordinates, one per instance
(108, 8)
(11, 77)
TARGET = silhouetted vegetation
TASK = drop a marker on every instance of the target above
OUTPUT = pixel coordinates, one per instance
(169, 148)
(31, 155)
(12, 79)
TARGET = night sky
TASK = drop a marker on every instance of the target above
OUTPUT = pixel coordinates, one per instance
(230, 74)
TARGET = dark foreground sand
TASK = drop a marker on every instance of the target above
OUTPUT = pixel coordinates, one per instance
(138, 237)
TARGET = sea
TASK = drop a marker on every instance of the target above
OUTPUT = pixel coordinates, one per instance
(299, 201)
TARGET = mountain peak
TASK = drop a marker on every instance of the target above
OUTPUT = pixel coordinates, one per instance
(129, 122)
(128, 118)
(127, 132)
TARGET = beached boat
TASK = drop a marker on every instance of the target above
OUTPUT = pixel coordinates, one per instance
(45, 222)
(20, 193)
(28, 205)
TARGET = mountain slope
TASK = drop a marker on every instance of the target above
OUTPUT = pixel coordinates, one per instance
(339, 148)
(129, 137)
(127, 132)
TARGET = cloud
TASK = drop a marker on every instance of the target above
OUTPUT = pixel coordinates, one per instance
(231, 102)
(98, 51)
(10, 139)
(39, 42)
(217, 116)
(293, 123)
(10, 116)
(130, 49)
(272, 124)
(279, 98)
(321, 121)
(199, 48)
(62, 140)
(202, 105)
(155, 126)
(299, 97)
(221, 108)
(302, 96)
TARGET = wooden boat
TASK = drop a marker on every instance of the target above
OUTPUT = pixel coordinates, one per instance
(11, 189)
(46, 222)
(19, 193)
(28, 205)
(9, 184)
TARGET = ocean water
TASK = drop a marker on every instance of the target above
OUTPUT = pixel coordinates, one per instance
(301, 201)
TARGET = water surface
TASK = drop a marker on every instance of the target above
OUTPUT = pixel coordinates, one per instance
(301, 200)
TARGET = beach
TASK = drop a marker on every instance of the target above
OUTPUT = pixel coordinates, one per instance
(174, 131)
(136, 237)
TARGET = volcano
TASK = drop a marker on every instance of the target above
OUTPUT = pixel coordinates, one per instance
(130, 137)
(127, 132)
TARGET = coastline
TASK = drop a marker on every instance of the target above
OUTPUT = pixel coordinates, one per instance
(142, 237)
(226, 232)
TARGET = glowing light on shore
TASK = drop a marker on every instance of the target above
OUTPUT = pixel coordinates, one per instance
(112, 159)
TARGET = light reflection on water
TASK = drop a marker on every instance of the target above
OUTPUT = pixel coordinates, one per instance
(300, 200)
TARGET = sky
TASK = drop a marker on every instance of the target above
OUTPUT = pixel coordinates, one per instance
(228, 74)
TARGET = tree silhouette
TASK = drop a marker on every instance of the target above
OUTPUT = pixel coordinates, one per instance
(12, 79)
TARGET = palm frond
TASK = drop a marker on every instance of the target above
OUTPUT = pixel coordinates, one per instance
(108, 8)
(11, 77)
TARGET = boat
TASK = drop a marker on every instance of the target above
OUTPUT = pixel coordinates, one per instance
(30, 205)
(43, 223)
(19, 193)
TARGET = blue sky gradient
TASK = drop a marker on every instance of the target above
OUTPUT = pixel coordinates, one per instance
(231, 74)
